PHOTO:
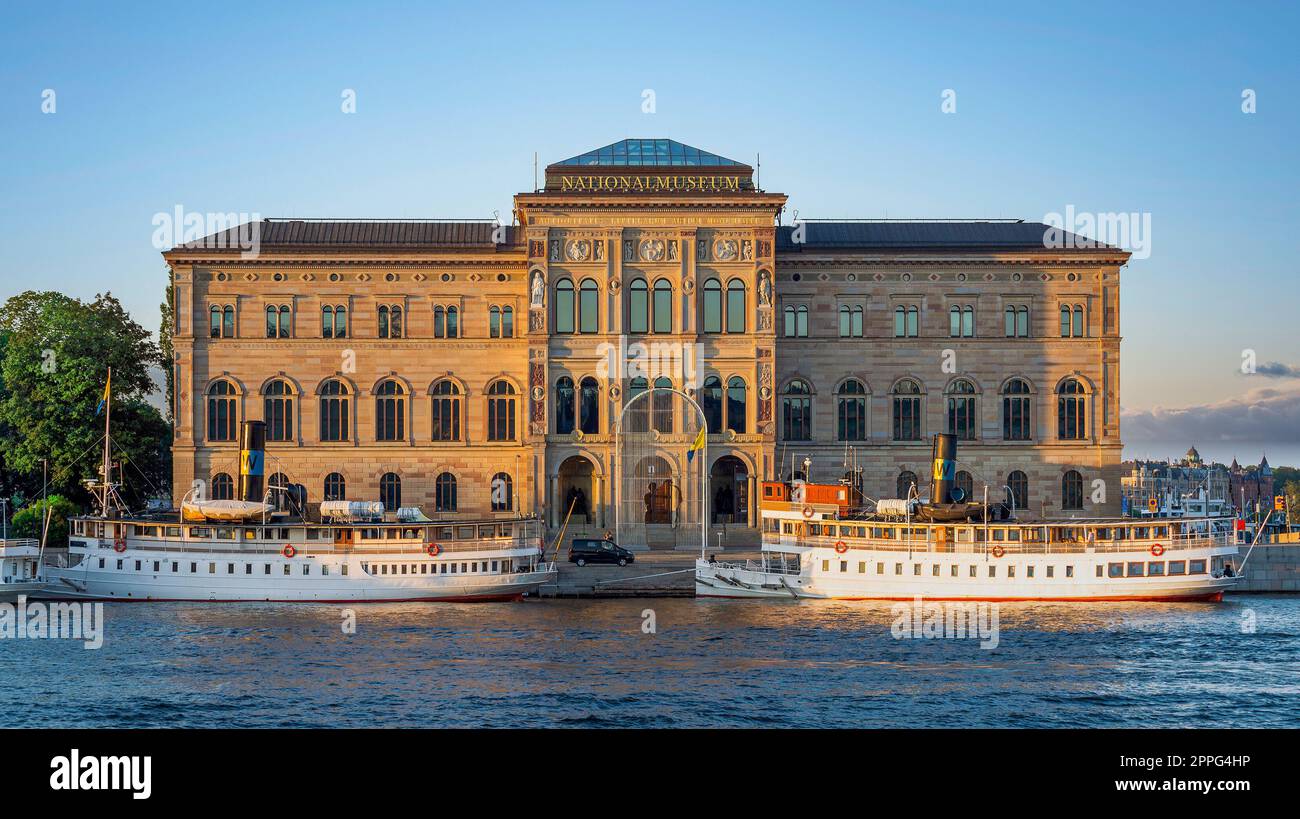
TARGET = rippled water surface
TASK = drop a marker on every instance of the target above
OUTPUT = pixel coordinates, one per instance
(709, 663)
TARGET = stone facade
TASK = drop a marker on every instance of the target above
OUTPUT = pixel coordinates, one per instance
(730, 275)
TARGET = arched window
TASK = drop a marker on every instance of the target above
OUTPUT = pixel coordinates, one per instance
(1072, 321)
(589, 406)
(965, 484)
(735, 306)
(334, 401)
(277, 321)
(334, 321)
(445, 401)
(736, 404)
(1078, 321)
(444, 493)
(1018, 483)
(222, 416)
(336, 487)
(564, 306)
(711, 403)
(1016, 417)
(1065, 321)
(1071, 411)
(390, 411)
(663, 306)
(851, 411)
(446, 322)
(228, 321)
(564, 406)
(502, 492)
(907, 321)
(1017, 321)
(796, 411)
(214, 321)
(501, 322)
(278, 489)
(1072, 490)
(390, 321)
(588, 307)
(223, 487)
(390, 491)
(961, 321)
(850, 321)
(712, 306)
(961, 409)
(796, 321)
(638, 307)
(639, 420)
(907, 411)
(906, 480)
(277, 410)
(501, 411)
(663, 405)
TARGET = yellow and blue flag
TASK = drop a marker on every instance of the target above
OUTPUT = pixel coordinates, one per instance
(104, 400)
(696, 445)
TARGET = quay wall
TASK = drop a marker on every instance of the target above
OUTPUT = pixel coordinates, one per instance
(1273, 567)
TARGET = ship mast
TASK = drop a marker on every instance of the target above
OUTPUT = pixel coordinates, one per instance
(108, 413)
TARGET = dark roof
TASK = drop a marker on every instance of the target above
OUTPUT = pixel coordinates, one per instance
(976, 235)
(648, 153)
(378, 233)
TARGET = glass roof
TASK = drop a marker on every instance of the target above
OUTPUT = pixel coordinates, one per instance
(648, 152)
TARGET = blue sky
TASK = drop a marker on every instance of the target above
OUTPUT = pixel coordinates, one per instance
(1107, 107)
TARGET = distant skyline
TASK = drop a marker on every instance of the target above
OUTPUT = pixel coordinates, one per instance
(1124, 109)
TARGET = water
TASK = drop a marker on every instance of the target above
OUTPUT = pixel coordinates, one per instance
(711, 663)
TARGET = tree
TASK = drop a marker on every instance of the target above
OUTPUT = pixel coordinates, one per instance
(56, 353)
(30, 521)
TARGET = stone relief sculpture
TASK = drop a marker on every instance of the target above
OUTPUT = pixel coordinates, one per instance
(764, 289)
(539, 289)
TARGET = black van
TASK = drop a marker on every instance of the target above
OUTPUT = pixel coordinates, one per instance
(583, 551)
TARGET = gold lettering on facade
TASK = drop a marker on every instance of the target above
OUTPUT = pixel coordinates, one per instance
(656, 184)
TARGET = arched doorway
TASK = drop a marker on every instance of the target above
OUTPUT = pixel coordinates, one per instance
(577, 489)
(659, 495)
(729, 491)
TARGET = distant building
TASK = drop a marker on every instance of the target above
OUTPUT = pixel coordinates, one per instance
(1252, 486)
(1168, 483)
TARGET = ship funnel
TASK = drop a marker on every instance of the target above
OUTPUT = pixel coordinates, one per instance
(944, 468)
(252, 461)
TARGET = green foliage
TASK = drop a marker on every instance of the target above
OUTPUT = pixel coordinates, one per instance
(165, 349)
(29, 521)
(56, 353)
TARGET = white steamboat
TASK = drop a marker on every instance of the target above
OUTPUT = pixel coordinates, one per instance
(820, 541)
(249, 550)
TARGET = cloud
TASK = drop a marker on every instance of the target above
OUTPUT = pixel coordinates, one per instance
(1276, 369)
(1265, 414)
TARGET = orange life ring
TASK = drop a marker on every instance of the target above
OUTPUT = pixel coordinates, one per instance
(433, 549)
(808, 511)
(841, 547)
(119, 544)
(998, 551)
(288, 550)
(1157, 550)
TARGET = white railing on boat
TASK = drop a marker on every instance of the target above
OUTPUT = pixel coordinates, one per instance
(362, 549)
(1174, 543)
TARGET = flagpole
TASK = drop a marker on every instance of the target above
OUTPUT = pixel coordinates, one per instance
(108, 412)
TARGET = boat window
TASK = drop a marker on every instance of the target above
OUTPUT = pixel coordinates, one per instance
(250, 534)
(200, 532)
(1013, 535)
(954, 570)
(934, 570)
(993, 571)
(464, 532)
(444, 533)
(248, 568)
(916, 568)
(999, 534)
(268, 568)
(1011, 570)
(488, 532)
(212, 568)
(1069, 571)
(194, 567)
(1029, 571)
(306, 568)
(1103, 534)
(973, 571)
(898, 568)
(844, 566)
(1160, 531)
(1137, 569)
(410, 534)
(1113, 569)
(344, 569)
(1196, 567)
(1051, 571)
(1155, 568)
(880, 568)
(173, 531)
(230, 568)
(313, 534)
(1178, 567)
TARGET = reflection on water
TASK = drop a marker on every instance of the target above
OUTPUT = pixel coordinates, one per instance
(709, 663)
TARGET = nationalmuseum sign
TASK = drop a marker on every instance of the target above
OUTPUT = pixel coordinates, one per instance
(623, 183)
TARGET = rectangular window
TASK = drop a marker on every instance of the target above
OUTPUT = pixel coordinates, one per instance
(993, 571)
(1113, 570)
(1196, 567)
(1051, 571)
(1156, 568)
(344, 569)
(916, 569)
(1029, 571)
(1069, 571)
(844, 566)
(1178, 567)
(1011, 571)
(973, 571)
(898, 568)
(826, 565)
(880, 568)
